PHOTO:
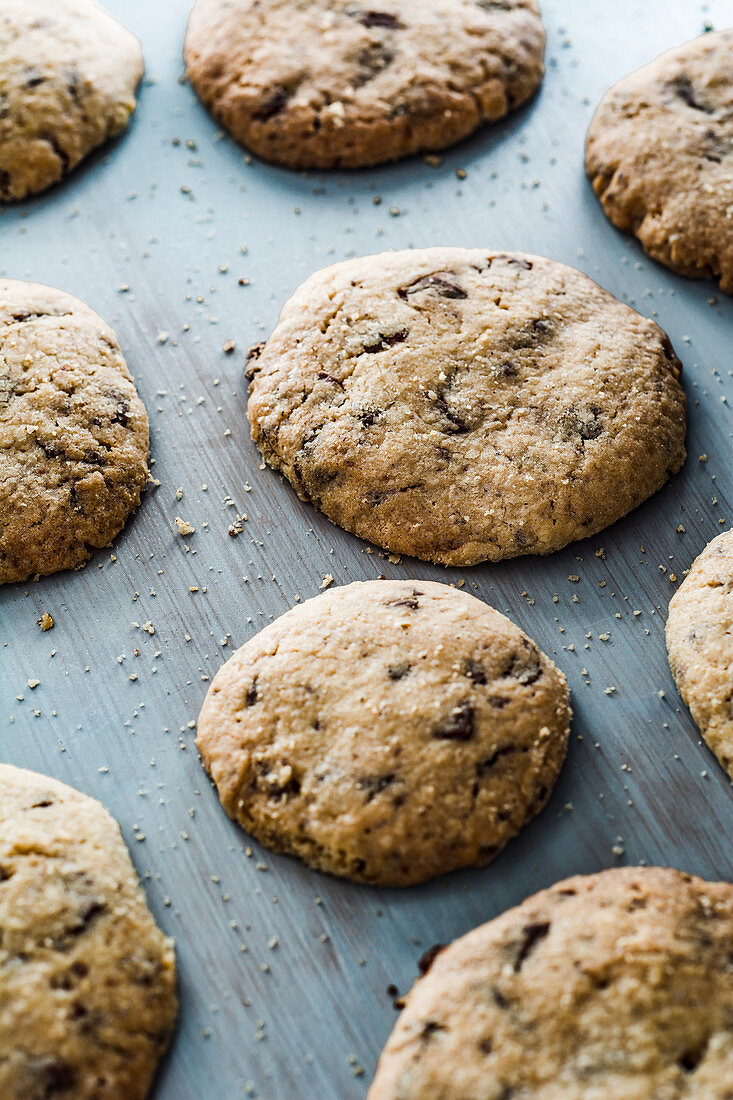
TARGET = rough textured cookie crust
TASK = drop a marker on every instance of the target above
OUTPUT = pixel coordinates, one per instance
(87, 980)
(68, 76)
(331, 83)
(700, 644)
(387, 731)
(73, 432)
(660, 155)
(615, 986)
(458, 404)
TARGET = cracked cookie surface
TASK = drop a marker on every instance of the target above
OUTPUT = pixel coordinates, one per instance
(87, 980)
(387, 731)
(73, 432)
(462, 405)
(68, 77)
(660, 155)
(331, 83)
(614, 986)
(700, 645)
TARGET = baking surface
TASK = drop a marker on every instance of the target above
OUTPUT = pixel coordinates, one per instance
(284, 972)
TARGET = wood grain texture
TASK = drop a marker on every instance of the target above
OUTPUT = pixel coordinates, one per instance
(164, 212)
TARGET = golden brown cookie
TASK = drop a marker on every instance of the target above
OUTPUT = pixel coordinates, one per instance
(615, 986)
(700, 644)
(87, 980)
(660, 155)
(332, 83)
(387, 731)
(68, 77)
(73, 432)
(460, 404)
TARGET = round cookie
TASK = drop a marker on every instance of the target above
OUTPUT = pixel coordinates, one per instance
(68, 77)
(387, 731)
(331, 83)
(660, 155)
(614, 986)
(700, 645)
(461, 405)
(73, 432)
(87, 980)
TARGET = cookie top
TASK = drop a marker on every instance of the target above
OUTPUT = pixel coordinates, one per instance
(660, 155)
(615, 985)
(700, 644)
(458, 404)
(73, 432)
(387, 731)
(68, 76)
(330, 83)
(87, 980)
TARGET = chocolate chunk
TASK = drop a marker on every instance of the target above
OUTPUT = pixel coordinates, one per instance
(251, 697)
(374, 784)
(499, 999)
(430, 1029)
(368, 416)
(329, 378)
(459, 725)
(525, 667)
(486, 1046)
(398, 672)
(54, 1076)
(379, 19)
(386, 340)
(515, 260)
(407, 601)
(427, 959)
(475, 671)
(253, 355)
(690, 1060)
(439, 281)
(458, 425)
(532, 934)
(122, 407)
(274, 104)
(486, 765)
(581, 423)
(33, 79)
(373, 59)
(682, 87)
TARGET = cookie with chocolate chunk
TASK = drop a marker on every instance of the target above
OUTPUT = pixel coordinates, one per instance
(615, 985)
(73, 432)
(660, 156)
(333, 83)
(461, 404)
(68, 77)
(700, 644)
(87, 979)
(387, 731)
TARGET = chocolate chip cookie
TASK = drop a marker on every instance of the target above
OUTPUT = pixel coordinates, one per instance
(461, 405)
(87, 980)
(387, 731)
(615, 986)
(331, 83)
(700, 645)
(73, 432)
(660, 155)
(68, 77)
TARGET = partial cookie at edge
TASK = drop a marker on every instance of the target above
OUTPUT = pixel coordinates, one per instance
(330, 84)
(73, 432)
(700, 645)
(613, 985)
(87, 980)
